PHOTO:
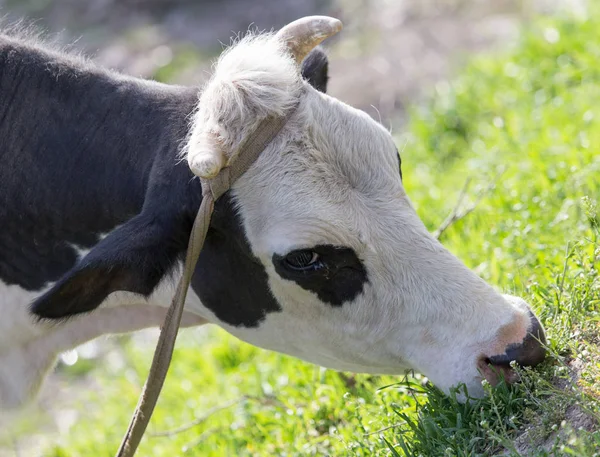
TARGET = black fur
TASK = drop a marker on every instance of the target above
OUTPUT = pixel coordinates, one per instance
(84, 150)
(77, 146)
(316, 68)
(340, 278)
(229, 280)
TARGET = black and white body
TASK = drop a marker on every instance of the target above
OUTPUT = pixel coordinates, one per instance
(316, 251)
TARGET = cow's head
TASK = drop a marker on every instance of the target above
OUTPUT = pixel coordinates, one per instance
(316, 251)
(357, 282)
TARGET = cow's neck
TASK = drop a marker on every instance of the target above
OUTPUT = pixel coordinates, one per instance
(82, 143)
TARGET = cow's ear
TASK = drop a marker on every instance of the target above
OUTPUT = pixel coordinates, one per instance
(133, 258)
(315, 69)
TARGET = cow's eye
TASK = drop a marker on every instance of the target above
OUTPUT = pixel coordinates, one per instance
(303, 260)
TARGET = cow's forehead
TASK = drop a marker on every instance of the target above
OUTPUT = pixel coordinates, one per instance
(358, 147)
(330, 152)
(324, 183)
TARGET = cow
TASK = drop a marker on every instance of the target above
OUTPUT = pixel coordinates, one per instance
(316, 251)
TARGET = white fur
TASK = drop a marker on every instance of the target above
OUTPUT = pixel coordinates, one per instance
(29, 349)
(331, 177)
(254, 79)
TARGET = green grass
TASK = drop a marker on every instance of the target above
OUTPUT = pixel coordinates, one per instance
(533, 112)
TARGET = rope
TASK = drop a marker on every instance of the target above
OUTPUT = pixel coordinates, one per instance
(212, 189)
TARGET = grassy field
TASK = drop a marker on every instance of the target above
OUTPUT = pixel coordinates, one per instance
(528, 120)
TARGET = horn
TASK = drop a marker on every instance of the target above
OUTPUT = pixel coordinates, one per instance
(302, 35)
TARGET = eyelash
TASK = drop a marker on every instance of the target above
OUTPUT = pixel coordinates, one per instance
(303, 260)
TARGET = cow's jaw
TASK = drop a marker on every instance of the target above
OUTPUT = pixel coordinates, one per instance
(420, 307)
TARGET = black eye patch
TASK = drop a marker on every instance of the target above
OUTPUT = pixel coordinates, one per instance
(339, 277)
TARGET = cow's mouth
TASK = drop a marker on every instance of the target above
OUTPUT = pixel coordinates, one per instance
(496, 372)
(529, 353)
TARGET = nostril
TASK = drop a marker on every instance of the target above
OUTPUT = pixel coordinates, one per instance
(530, 352)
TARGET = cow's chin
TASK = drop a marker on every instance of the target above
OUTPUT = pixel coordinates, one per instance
(494, 374)
(465, 389)
(469, 373)
(472, 385)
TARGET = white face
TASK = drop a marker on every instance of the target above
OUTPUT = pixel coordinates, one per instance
(413, 305)
(361, 284)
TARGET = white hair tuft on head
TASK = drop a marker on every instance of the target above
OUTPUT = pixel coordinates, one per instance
(257, 77)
